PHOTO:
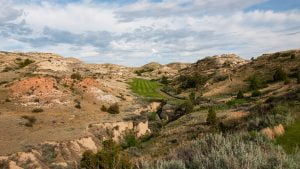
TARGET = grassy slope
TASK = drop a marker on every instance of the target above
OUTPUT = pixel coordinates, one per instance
(146, 88)
(291, 139)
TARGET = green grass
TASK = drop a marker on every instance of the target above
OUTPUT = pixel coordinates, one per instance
(236, 102)
(291, 139)
(146, 88)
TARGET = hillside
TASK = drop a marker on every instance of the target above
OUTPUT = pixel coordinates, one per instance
(220, 111)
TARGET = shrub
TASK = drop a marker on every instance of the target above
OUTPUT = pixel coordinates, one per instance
(76, 76)
(293, 56)
(37, 110)
(114, 109)
(48, 152)
(138, 73)
(7, 69)
(287, 81)
(240, 95)
(103, 108)
(256, 93)
(235, 102)
(164, 80)
(193, 81)
(211, 117)
(224, 152)
(152, 116)
(163, 164)
(219, 78)
(279, 75)
(298, 77)
(77, 104)
(186, 107)
(254, 83)
(25, 63)
(30, 120)
(266, 115)
(129, 139)
(108, 158)
(192, 97)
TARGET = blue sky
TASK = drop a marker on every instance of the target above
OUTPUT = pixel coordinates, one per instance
(134, 32)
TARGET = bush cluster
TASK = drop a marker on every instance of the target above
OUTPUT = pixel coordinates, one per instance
(25, 63)
(164, 80)
(109, 157)
(129, 139)
(192, 81)
(280, 75)
(265, 115)
(223, 152)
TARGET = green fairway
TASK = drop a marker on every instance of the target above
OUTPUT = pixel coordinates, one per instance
(146, 88)
(291, 139)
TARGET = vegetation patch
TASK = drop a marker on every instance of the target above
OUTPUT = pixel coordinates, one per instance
(114, 109)
(25, 63)
(236, 102)
(146, 88)
(76, 76)
(30, 120)
(290, 141)
(111, 156)
(37, 110)
(223, 152)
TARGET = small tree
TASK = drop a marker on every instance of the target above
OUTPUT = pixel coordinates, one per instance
(279, 75)
(240, 95)
(211, 117)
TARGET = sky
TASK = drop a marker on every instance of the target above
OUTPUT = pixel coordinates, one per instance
(136, 32)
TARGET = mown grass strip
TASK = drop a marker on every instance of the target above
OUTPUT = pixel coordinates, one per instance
(146, 88)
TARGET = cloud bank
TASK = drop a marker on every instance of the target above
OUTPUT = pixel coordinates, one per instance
(139, 31)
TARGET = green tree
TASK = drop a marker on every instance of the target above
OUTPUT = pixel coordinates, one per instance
(211, 117)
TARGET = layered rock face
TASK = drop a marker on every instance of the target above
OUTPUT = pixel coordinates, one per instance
(67, 154)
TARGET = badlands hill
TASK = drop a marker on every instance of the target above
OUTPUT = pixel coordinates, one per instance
(53, 110)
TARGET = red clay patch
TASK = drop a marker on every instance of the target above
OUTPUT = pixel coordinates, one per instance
(34, 85)
(87, 83)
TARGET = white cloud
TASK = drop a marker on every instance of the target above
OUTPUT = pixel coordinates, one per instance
(182, 30)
